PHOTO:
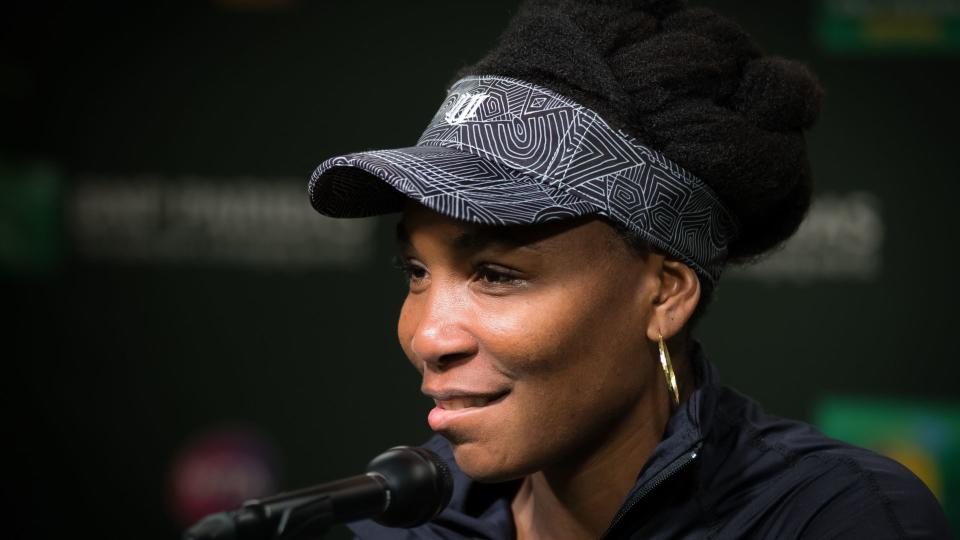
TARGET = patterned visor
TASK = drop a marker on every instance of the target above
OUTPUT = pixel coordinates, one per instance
(501, 151)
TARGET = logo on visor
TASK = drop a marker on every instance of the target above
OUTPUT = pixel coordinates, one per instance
(464, 108)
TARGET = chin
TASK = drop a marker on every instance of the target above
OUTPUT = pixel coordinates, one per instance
(482, 464)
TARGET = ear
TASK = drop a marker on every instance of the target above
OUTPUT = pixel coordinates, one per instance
(675, 298)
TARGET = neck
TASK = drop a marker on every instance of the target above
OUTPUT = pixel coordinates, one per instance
(580, 499)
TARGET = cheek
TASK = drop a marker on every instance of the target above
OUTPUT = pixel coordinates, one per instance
(571, 331)
(583, 360)
(509, 333)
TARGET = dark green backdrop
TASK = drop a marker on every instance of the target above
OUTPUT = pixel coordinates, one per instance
(110, 367)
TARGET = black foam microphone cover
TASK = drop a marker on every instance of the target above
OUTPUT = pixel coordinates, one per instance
(419, 482)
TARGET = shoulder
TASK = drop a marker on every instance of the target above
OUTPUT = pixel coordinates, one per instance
(798, 483)
(858, 492)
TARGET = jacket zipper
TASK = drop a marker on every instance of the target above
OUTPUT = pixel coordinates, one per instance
(670, 470)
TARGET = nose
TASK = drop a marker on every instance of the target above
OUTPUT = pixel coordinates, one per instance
(442, 335)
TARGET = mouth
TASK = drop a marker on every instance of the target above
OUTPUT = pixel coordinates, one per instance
(457, 403)
(452, 408)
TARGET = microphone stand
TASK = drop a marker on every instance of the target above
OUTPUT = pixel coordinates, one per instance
(301, 514)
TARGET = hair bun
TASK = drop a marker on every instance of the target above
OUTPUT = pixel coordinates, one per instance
(778, 94)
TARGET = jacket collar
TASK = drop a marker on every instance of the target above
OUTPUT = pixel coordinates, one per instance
(685, 429)
(682, 438)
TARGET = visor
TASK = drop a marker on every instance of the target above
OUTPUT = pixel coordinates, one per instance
(501, 151)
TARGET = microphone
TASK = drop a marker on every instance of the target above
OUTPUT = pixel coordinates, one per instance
(403, 487)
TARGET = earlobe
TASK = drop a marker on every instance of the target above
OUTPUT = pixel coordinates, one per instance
(675, 300)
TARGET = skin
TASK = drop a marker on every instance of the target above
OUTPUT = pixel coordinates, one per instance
(563, 317)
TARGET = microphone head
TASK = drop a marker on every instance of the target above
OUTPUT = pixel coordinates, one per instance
(419, 482)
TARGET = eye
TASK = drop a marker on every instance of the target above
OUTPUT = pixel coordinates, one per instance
(414, 272)
(497, 276)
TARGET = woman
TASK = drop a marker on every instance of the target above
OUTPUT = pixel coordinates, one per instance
(566, 216)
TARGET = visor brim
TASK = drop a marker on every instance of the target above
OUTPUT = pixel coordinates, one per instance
(456, 184)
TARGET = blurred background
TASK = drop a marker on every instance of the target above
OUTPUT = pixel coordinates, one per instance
(184, 332)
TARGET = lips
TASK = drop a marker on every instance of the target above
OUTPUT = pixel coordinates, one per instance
(457, 406)
(466, 402)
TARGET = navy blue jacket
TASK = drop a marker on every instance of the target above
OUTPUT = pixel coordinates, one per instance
(724, 469)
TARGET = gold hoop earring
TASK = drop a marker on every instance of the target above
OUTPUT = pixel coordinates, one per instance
(668, 373)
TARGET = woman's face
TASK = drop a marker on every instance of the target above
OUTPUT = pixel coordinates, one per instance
(531, 340)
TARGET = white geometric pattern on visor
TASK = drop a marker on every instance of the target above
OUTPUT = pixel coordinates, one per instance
(501, 151)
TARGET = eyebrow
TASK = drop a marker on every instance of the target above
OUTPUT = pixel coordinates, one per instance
(478, 239)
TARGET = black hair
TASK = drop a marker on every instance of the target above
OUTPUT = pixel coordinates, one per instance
(687, 82)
